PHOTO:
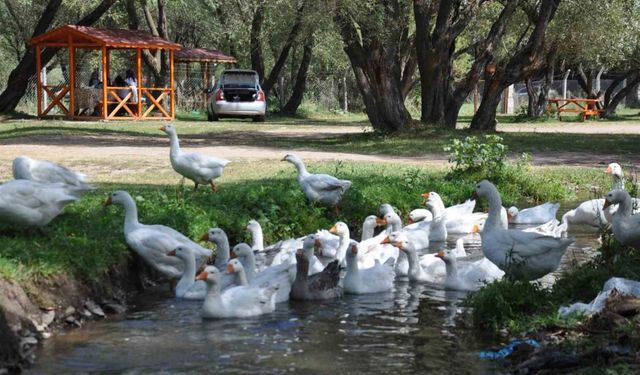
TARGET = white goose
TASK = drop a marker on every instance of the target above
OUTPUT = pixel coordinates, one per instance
(200, 169)
(280, 276)
(375, 279)
(625, 226)
(236, 302)
(438, 227)
(418, 270)
(153, 242)
(223, 253)
(321, 188)
(188, 287)
(285, 249)
(470, 276)
(25, 168)
(32, 204)
(460, 218)
(592, 212)
(522, 255)
(534, 215)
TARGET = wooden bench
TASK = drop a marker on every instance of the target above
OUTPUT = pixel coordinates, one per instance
(585, 107)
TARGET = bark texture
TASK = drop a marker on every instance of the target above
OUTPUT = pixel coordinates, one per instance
(291, 107)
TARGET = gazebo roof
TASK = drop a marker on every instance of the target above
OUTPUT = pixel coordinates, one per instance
(203, 55)
(112, 38)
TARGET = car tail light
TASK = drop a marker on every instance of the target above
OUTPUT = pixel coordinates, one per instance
(219, 95)
(260, 97)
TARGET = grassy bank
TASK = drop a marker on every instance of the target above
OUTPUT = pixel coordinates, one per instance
(87, 239)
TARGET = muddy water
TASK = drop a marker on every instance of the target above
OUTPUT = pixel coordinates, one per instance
(413, 329)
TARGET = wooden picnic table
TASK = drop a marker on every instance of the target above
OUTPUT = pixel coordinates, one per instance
(585, 107)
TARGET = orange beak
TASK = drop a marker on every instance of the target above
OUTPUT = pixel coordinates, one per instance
(354, 249)
(606, 204)
(425, 195)
(230, 268)
(317, 243)
(386, 240)
(163, 128)
(381, 221)
(398, 244)
(474, 195)
(475, 228)
(203, 275)
(509, 216)
(334, 230)
(440, 254)
(410, 220)
(233, 255)
(205, 237)
(608, 170)
(108, 202)
(172, 253)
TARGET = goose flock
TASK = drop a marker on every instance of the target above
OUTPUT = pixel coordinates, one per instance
(328, 263)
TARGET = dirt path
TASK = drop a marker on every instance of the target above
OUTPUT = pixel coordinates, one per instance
(240, 145)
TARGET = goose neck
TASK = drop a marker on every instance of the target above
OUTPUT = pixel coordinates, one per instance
(495, 208)
(257, 241)
(213, 294)
(130, 214)
(188, 276)
(222, 251)
(452, 270)
(625, 208)
(343, 246)
(249, 265)
(174, 144)
(617, 182)
(352, 264)
(241, 278)
(300, 167)
(367, 230)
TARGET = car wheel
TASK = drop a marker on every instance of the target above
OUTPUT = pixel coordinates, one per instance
(211, 116)
(258, 119)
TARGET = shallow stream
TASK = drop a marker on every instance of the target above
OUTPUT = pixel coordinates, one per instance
(413, 329)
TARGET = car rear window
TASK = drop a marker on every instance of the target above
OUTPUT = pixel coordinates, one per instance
(239, 80)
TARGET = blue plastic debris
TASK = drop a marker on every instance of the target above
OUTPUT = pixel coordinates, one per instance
(507, 349)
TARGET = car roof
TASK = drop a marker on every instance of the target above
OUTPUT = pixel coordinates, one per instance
(245, 71)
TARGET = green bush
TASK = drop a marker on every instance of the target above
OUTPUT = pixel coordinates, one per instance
(472, 155)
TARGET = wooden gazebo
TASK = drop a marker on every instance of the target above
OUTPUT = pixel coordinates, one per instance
(153, 102)
(208, 59)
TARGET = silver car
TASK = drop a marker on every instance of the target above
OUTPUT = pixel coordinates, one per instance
(237, 94)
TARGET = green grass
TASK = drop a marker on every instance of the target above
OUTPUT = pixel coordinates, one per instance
(87, 240)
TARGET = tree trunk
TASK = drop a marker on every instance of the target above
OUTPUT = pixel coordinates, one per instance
(611, 103)
(301, 80)
(255, 45)
(524, 63)
(537, 101)
(485, 117)
(284, 53)
(20, 76)
(381, 94)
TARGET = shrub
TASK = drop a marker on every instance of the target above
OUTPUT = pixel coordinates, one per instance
(472, 155)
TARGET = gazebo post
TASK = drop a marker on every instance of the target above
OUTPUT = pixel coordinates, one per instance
(171, 83)
(39, 79)
(139, 78)
(205, 80)
(105, 79)
(72, 78)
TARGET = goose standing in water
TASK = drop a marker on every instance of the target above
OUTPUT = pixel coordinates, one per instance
(625, 226)
(236, 302)
(522, 255)
(153, 242)
(319, 286)
(200, 169)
